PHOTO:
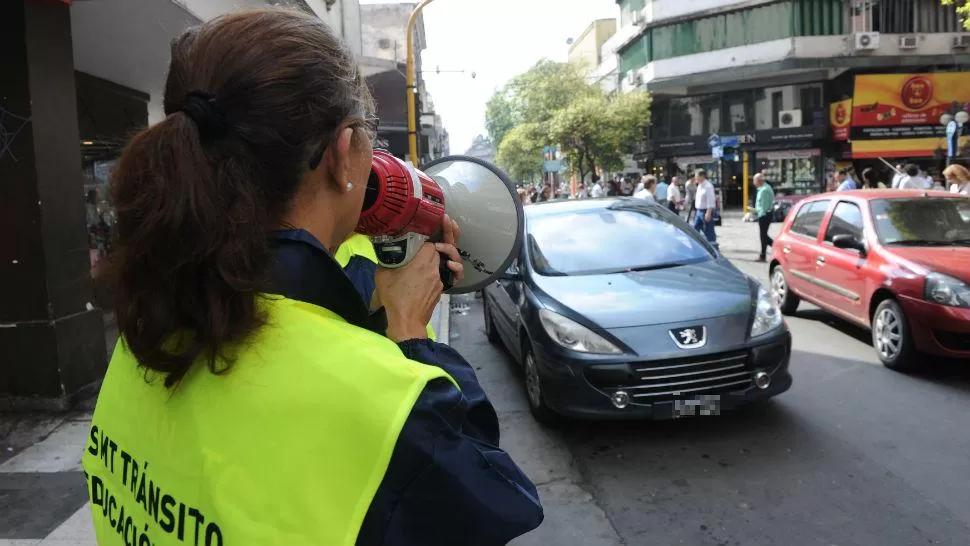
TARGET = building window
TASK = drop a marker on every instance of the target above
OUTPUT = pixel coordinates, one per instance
(772, 101)
(627, 7)
(739, 111)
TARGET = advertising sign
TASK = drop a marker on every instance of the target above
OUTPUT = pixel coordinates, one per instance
(903, 112)
(840, 117)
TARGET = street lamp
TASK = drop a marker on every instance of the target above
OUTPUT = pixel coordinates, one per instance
(412, 89)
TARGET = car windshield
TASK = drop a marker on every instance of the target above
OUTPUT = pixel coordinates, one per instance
(922, 221)
(611, 240)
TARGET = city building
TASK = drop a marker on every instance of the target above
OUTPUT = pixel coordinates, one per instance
(793, 88)
(384, 56)
(79, 78)
(482, 148)
(586, 51)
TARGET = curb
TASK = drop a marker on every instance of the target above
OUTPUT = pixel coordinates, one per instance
(443, 329)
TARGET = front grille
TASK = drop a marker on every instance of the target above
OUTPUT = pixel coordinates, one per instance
(669, 379)
(953, 341)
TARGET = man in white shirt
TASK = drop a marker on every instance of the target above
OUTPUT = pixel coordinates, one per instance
(900, 172)
(674, 198)
(597, 190)
(912, 180)
(705, 202)
(649, 189)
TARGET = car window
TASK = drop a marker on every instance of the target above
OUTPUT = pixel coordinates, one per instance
(808, 220)
(922, 221)
(611, 240)
(846, 220)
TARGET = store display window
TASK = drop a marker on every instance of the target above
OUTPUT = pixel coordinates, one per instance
(793, 172)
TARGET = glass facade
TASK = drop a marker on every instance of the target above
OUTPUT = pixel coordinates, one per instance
(737, 28)
(794, 172)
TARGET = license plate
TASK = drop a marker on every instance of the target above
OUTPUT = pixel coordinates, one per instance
(704, 405)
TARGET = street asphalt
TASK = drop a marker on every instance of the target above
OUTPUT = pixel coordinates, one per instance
(854, 454)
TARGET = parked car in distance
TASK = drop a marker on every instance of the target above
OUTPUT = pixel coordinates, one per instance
(616, 308)
(894, 261)
(783, 205)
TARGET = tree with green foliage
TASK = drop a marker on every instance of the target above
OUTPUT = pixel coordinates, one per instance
(963, 9)
(552, 103)
(598, 131)
(520, 152)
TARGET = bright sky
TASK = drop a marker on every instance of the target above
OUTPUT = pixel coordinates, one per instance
(496, 39)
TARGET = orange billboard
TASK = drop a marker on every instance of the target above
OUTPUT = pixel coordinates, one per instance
(898, 115)
(840, 118)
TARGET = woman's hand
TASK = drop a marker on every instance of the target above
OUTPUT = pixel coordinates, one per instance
(410, 293)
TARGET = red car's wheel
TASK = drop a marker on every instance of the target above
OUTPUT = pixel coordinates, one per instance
(782, 294)
(891, 337)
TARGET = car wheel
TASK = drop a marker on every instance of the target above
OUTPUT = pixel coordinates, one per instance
(786, 300)
(534, 391)
(891, 338)
(490, 333)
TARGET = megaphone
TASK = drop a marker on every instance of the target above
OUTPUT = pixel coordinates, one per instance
(404, 206)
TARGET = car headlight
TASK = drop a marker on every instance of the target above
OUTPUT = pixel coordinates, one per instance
(946, 290)
(767, 315)
(574, 336)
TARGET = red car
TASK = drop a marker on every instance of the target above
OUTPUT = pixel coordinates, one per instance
(894, 261)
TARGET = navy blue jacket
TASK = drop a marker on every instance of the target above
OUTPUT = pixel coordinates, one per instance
(447, 482)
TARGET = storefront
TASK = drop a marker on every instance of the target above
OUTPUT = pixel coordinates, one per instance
(905, 118)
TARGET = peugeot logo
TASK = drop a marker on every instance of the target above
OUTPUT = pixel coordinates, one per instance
(690, 337)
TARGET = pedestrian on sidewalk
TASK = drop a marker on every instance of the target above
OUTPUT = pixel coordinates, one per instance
(958, 177)
(705, 202)
(690, 195)
(764, 203)
(845, 181)
(253, 392)
(674, 198)
(649, 188)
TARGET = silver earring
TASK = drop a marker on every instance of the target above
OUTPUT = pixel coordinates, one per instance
(350, 186)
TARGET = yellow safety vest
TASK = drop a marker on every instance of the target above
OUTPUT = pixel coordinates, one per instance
(287, 447)
(360, 245)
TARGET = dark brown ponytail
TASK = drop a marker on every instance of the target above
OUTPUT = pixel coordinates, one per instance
(248, 96)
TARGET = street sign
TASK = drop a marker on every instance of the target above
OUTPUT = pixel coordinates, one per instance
(714, 141)
(552, 166)
(717, 152)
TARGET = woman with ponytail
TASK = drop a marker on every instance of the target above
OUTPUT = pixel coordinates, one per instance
(253, 397)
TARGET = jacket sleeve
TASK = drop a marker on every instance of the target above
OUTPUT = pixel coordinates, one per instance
(448, 482)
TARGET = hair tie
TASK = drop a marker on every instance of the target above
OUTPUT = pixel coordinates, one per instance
(201, 107)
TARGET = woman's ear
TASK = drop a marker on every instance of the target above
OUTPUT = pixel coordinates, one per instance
(338, 159)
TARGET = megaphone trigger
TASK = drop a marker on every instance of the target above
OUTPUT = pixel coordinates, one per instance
(447, 277)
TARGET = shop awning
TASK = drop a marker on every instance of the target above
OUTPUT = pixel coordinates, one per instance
(907, 147)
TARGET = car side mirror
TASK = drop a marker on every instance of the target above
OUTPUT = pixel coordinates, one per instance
(849, 242)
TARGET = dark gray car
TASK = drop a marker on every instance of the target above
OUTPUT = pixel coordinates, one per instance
(617, 308)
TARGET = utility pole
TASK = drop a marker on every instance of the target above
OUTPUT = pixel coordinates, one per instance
(412, 88)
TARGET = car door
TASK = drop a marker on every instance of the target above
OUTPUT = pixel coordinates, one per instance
(800, 247)
(507, 295)
(839, 276)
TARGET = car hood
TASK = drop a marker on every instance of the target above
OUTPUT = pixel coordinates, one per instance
(951, 260)
(644, 298)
